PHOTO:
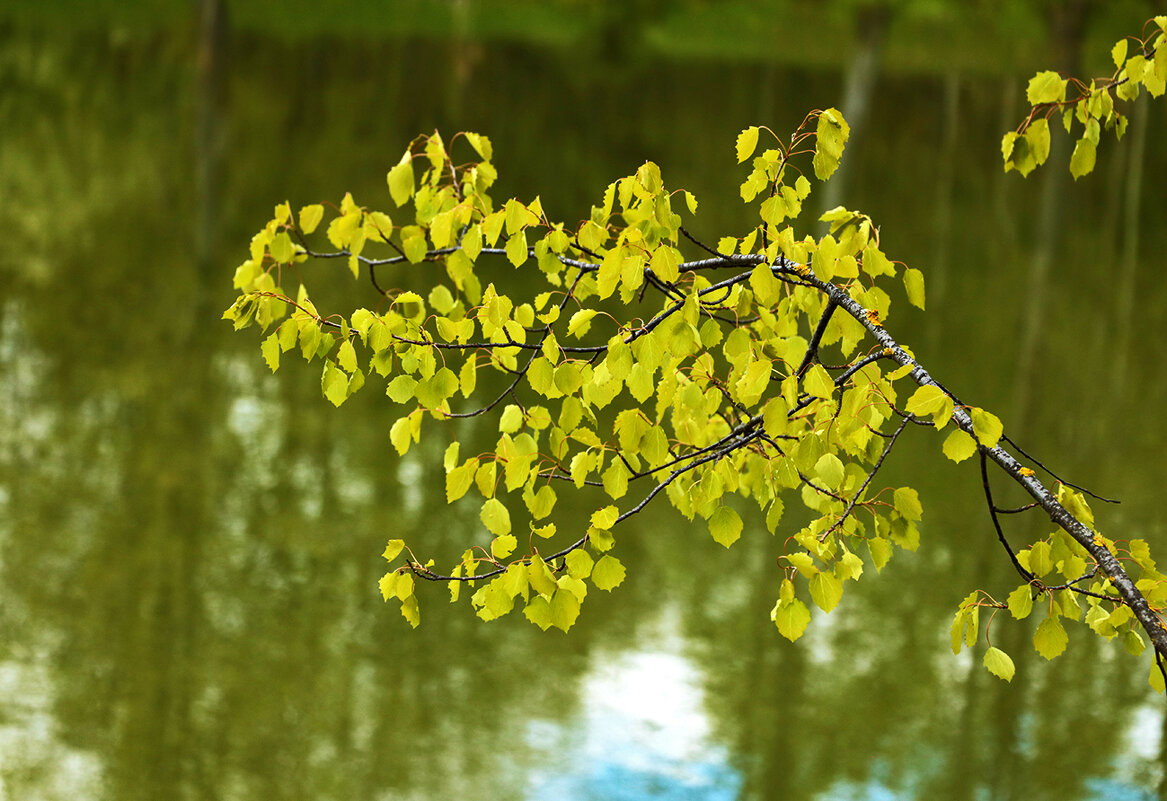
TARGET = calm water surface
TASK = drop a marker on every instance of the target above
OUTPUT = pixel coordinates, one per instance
(189, 547)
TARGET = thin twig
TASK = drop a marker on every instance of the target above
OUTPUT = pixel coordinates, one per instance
(997, 523)
(859, 492)
(1054, 475)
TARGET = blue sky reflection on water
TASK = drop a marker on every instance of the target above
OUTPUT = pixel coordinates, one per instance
(642, 733)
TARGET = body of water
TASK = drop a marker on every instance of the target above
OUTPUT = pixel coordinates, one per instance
(190, 547)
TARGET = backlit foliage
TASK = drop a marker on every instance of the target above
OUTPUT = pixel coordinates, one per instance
(641, 364)
(1089, 107)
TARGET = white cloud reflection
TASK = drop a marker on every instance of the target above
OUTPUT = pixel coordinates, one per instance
(642, 734)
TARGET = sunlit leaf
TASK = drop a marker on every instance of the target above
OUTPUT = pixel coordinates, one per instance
(907, 503)
(747, 141)
(818, 382)
(1082, 161)
(1050, 639)
(271, 352)
(334, 383)
(580, 322)
(564, 609)
(511, 419)
(791, 619)
(1118, 52)
(987, 427)
(959, 446)
(931, 401)
(503, 545)
(725, 525)
(1021, 602)
(1040, 559)
(830, 470)
(393, 549)
(579, 563)
(999, 663)
(803, 562)
(608, 573)
(1046, 87)
(495, 517)
(914, 284)
(310, 217)
(825, 590)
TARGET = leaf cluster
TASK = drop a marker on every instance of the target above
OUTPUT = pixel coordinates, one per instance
(1093, 107)
(1064, 584)
(636, 366)
(625, 360)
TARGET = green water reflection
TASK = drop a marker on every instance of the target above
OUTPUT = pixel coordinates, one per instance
(189, 547)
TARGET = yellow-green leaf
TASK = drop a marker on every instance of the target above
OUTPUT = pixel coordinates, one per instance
(1021, 602)
(516, 248)
(766, 287)
(388, 585)
(495, 517)
(503, 545)
(414, 246)
(1040, 559)
(1082, 161)
(346, 357)
(605, 518)
(725, 525)
(1118, 52)
(481, 144)
(818, 382)
(665, 262)
(564, 609)
(880, 549)
(511, 419)
(411, 611)
(747, 142)
(825, 590)
(401, 388)
(542, 502)
(310, 217)
(850, 566)
(753, 383)
(400, 435)
(999, 663)
(334, 383)
(400, 180)
(608, 573)
(271, 352)
(803, 563)
(404, 586)
(281, 247)
(914, 284)
(791, 619)
(829, 468)
(1046, 87)
(959, 446)
(774, 417)
(987, 426)
(931, 401)
(580, 322)
(579, 563)
(459, 479)
(1051, 638)
(393, 549)
(907, 503)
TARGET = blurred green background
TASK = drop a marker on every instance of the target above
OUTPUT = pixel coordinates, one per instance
(189, 547)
